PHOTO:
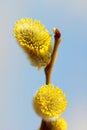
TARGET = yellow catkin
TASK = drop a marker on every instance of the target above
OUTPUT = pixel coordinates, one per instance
(59, 124)
(34, 39)
(49, 101)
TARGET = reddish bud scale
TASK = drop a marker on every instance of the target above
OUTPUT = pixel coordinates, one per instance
(57, 33)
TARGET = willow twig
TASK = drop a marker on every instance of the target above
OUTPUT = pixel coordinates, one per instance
(48, 69)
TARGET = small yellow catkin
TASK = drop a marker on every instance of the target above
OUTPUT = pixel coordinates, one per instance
(34, 39)
(59, 124)
(49, 102)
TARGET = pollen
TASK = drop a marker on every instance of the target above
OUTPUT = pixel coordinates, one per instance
(34, 39)
(49, 101)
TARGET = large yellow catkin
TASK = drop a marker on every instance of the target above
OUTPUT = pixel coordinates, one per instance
(34, 39)
(49, 102)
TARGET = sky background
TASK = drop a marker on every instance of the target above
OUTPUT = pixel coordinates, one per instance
(19, 80)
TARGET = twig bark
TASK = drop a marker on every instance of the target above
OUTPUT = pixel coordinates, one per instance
(44, 124)
(49, 67)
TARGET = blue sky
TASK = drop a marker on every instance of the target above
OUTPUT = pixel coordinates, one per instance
(19, 80)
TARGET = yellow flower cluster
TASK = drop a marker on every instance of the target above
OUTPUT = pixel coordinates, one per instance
(34, 39)
(49, 101)
(59, 124)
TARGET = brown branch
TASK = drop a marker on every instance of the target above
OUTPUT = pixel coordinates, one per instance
(49, 67)
(44, 124)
